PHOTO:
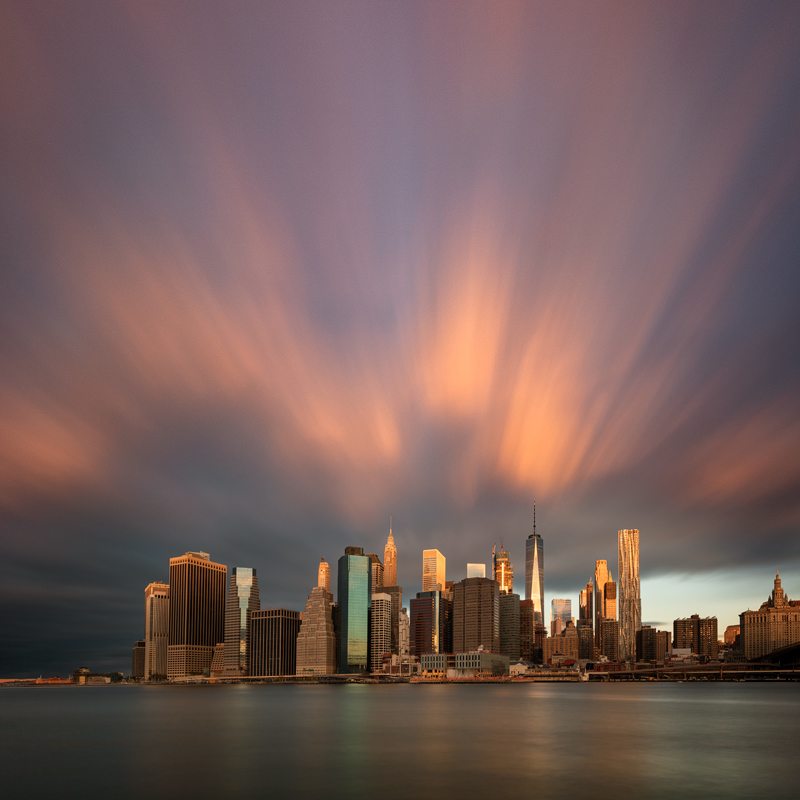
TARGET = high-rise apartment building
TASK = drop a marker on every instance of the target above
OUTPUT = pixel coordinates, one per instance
(390, 560)
(355, 577)
(534, 572)
(430, 625)
(610, 599)
(380, 630)
(697, 634)
(156, 630)
(646, 643)
(585, 639)
(502, 571)
(476, 570)
(609, 639)
(510, 625)
(433, 571)
(776, 624)
(324, 575)
(476, 615)
(243, 600)
(630, 599)
(273, 641)
(316, 641)
(196, 613)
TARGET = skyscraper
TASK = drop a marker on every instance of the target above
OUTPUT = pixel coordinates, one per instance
(243, 600)
(355, 577)
(316, 641)
(534, 572)
(560, 615)
(586, 605)
(380, 630)
(376, 573)
(156, 630)
(510, 625)
(476, 615)
(196, 613)
(502, 571)
(630, 600)
(403, 649)
(430, 629)
(433, 570)
(601, 577)
(396, 593)
(137, 659)
(390, 560)
(324, 575)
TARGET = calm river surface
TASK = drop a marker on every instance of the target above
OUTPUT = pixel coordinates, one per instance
(700, 740)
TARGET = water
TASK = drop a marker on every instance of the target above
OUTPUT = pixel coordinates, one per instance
(704, 740)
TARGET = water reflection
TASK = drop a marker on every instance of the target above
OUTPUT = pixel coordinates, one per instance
(541, 740)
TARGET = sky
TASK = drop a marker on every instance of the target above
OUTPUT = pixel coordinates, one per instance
(271, 273)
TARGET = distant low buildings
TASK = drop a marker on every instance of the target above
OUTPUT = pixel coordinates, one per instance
(775, 625)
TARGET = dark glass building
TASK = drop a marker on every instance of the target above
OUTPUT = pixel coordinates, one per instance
(431, 630)
(273, 641)
(510, 625)
(355, 577)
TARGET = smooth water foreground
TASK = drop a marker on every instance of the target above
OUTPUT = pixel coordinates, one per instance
(357, 741)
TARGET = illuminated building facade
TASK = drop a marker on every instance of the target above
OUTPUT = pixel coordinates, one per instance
(156, 630)
(243, 600)
(433, 571)
(502, 571)
(585, 605)
(376, 573)
(324, 575)
(476, 570)
(560, 615)
(476, 615)
(630, 599)
(196, 613)
(273, 641)
(404, 648)
(390, 560)
(316, 640)
(776, 624)
(355, 576)
(534, 573)
(696, 634)
(601, 577)
(380, 630)
(564, 646)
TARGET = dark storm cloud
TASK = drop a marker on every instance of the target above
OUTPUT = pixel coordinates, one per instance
(272, 274)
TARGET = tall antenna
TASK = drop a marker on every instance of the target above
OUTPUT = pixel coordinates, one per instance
(534, 518)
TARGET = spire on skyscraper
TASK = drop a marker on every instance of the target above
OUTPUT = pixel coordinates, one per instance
(390, 560)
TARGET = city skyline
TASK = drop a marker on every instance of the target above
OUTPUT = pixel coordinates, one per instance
(277, 280)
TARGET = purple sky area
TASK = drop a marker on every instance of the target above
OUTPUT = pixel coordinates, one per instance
(272, 272)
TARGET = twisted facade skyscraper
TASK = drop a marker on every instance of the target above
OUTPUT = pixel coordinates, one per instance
(629, 596)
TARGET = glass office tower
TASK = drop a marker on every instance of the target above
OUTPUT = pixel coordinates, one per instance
(243, 600)
(355, 576)
(534, 575)
(629, 596)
